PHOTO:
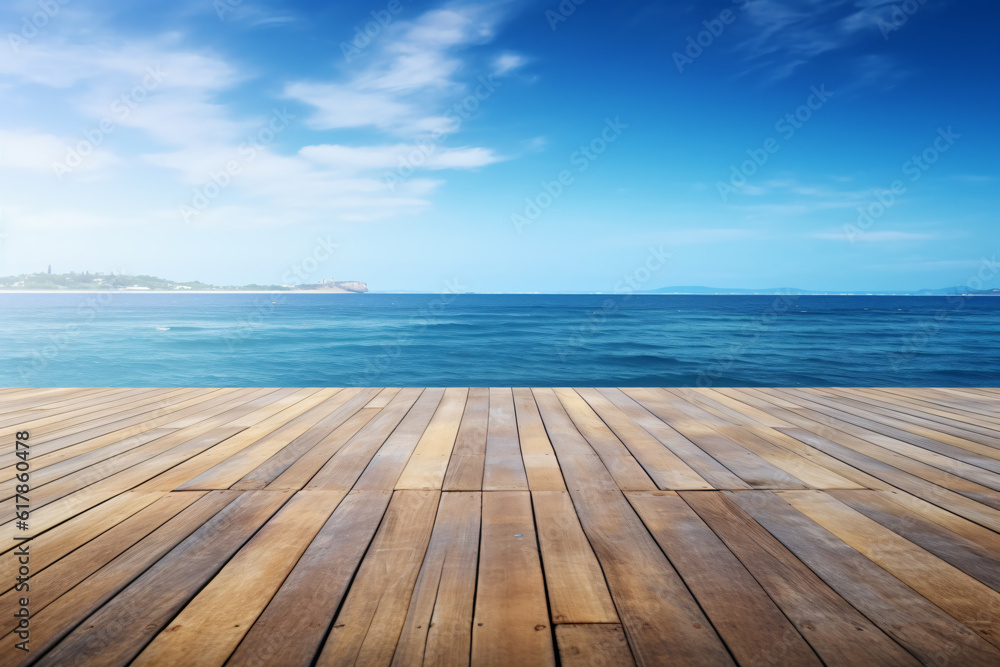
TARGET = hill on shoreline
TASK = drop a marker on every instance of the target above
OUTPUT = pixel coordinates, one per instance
(73, 281)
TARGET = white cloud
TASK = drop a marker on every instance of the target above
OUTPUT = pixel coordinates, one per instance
(186, 127)
(356, 158)
(61, 64)
(38, 152)
(787, 34)
(508, 62)
(412, 71)
(337, 106)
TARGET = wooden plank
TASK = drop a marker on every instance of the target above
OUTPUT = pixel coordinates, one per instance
(304, 468)
(625, 470)
(983, 455)
(49, 583)
(73, 503)
(54, 451)
(233, 468)
(577, 590)
(117, 632)
(345, 467)
(964, 443)
(291, 630)
(900, 405)
(72, 561)
(897, 558)
(813, 475)
(221, 614)
(861, 448)
(324, 436)
(713, 472)
(34, 398)
(383, 398)
(961, 526)
(838, 633)
(919, 625)
(429, 462)
(59, 618)
(438, 625)
(821, 431)
(946, 586)
(107, 431)
(468, 459)
(941, 400)
(140, 431)
(971, 557)
(665, 468)
(242, 406)
(369, 623)
(111, 455)
(697, 426)
(275, 417)
(511, 623)
(823, 460)
(540, 463)
(504, 468)
(927, 431)
(65, 420)
(744, 616)
(144, 405)
(388, 462)
(30, 412)
(661, 619)
(727, 415)
(755, 414)
(943, 497)
(49, 398)
(51, 546)
(590, 645)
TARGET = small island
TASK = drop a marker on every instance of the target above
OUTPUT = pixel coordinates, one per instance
(87, 281)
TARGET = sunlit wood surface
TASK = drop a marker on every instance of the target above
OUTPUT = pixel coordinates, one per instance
(504, 526)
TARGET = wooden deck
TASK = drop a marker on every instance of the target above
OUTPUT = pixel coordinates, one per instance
(498, 526)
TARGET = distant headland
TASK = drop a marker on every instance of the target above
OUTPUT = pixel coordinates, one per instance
(97, 282)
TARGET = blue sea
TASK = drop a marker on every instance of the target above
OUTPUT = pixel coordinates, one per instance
(123, 339)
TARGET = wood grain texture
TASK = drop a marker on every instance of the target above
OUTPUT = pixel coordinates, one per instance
(511, 621)
(528, 526)
(593, 645)
(438, 625)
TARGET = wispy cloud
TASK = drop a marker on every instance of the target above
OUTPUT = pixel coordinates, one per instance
(881, 236)
(784, 35)
(195, 120)
(409, 76)
(351, 159)
(508, 62)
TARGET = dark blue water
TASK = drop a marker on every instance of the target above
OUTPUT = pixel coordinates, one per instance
(386, 339)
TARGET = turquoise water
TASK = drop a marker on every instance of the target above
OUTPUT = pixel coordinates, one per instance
(432, 340)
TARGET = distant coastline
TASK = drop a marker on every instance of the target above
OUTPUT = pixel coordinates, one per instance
(87, 282)
(93, 283)
(984, 293)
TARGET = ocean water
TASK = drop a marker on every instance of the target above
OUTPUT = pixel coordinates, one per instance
(120, 339)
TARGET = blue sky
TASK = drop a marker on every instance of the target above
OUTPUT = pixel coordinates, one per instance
(504, 146)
